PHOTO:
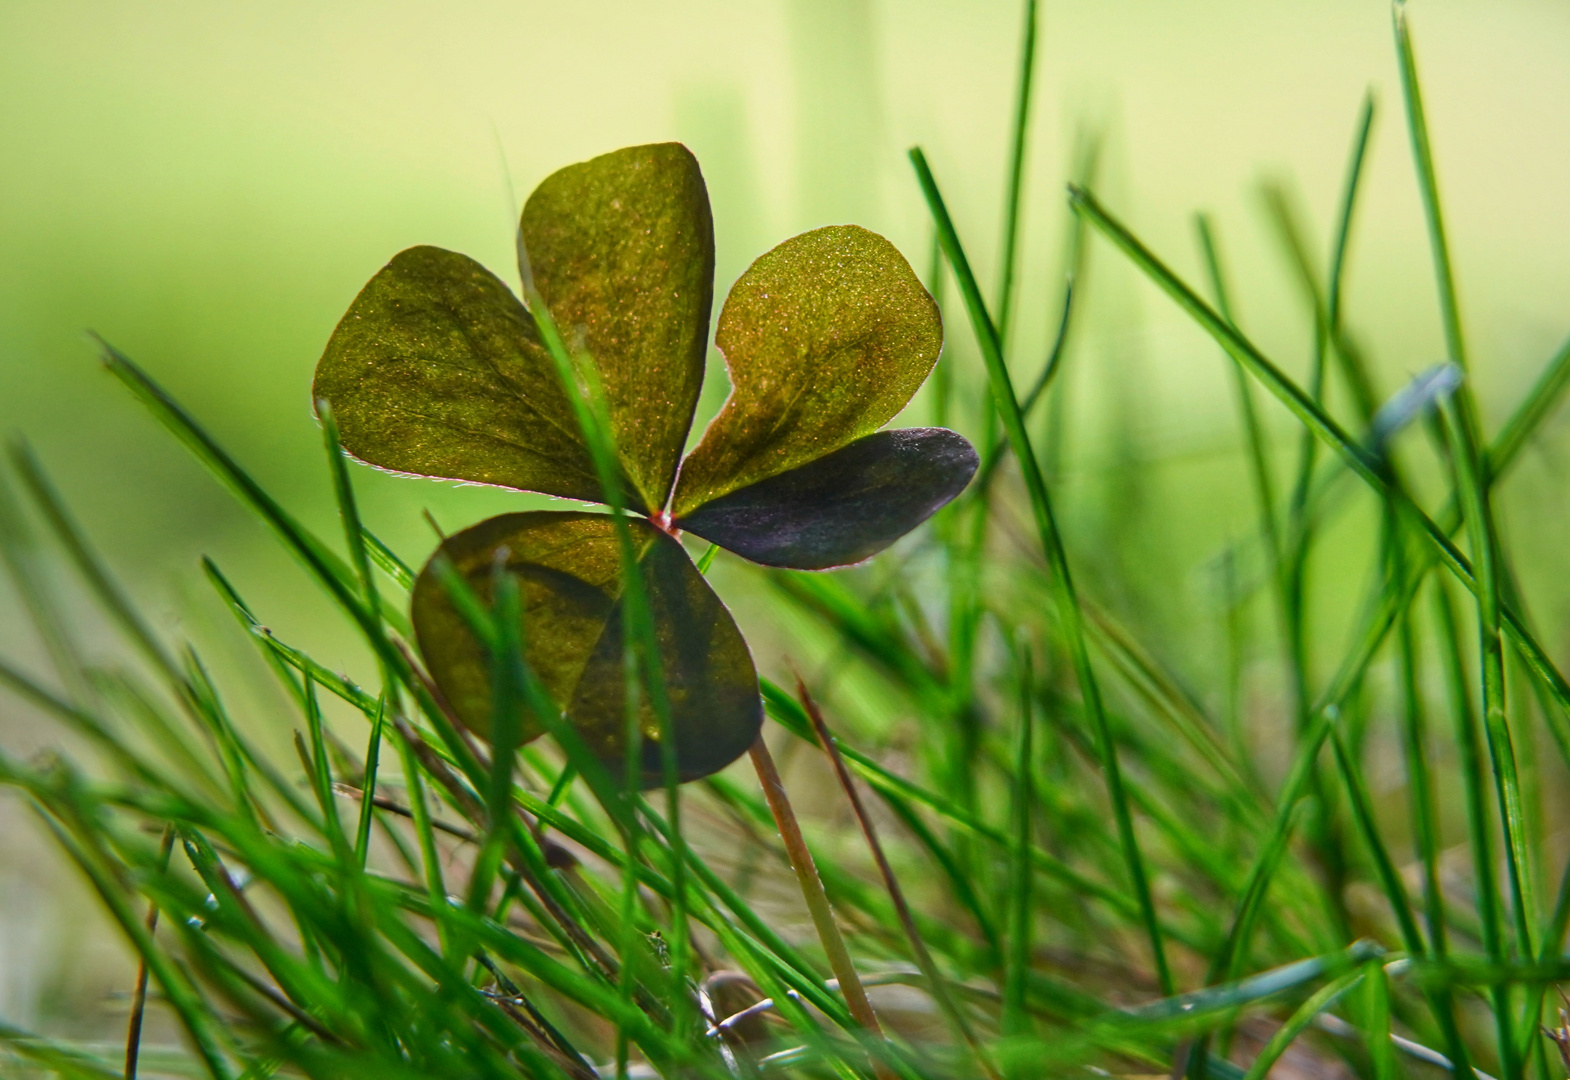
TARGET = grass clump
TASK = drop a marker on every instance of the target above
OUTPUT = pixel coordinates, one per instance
(1064, 859)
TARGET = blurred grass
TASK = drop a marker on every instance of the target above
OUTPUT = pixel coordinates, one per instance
(207, 188)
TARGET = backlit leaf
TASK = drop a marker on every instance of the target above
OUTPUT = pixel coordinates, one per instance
(621, 247)
(568, 568)
(708, 671)
(844, 507)
(826, 338)
(437, 369)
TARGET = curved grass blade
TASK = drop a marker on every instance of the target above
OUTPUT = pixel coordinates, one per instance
(1258, 448)
(1311, 415)
(1539, 402)
(91, 566)
(328, 569)
(1300, 1021)
(31, 579)
(335, 574)
(1016, 171)
(1343, 236)
(1007, 404)
(1389, 878)
(58, 1056)
(935, 981)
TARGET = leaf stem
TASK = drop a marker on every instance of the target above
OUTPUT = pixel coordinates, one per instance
(817, 900)
(133, 1035)
(929, 967)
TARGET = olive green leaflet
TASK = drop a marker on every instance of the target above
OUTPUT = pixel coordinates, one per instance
(437, 369)
(826, 338)
(622, 250)
(569, 570)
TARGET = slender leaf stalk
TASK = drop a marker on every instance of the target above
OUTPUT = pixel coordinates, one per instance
(806, 869)
(133, 1036)
(935, 979)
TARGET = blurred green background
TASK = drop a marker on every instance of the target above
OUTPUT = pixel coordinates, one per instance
(208, 185)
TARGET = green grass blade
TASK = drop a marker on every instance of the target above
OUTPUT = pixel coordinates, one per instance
(995, 453)
(328, 569)
(1299, 1022)
(320, 559)
(1385, 869)
(1485, 547)
(1469, 744)
(348, 509)
(388, 560)
(360, 557)
(56, 1056)
(420, 811)
(90, 566)
(1311, 415)
(1021, 914)
(1018, 145)
(1529, 415)
(320, 774)
(1428, 184)
(1472, 482)
(1343, 234)
(1258, 447)
(1069, 612)
(942, 378)
(1414, 737)
(31, 580)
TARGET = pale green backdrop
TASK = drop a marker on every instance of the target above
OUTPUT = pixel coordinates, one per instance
(208, 184)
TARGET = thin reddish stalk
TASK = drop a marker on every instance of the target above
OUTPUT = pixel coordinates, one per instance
(817, 900)
(907, 920)
(133, 1035)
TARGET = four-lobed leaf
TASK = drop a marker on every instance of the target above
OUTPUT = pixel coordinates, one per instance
(438, 370)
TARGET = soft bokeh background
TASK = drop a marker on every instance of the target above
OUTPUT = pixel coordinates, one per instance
(208, 185)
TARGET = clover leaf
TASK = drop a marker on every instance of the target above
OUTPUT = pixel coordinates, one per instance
(438, 370)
